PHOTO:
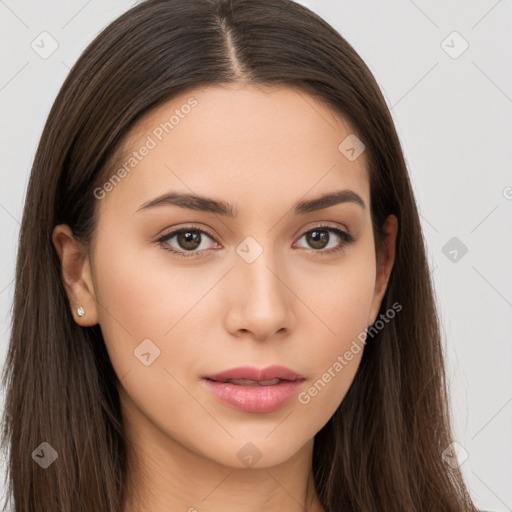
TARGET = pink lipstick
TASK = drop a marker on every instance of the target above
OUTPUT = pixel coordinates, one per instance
(250, 389)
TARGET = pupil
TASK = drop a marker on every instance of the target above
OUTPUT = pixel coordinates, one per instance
(319, 238)
(189, 237)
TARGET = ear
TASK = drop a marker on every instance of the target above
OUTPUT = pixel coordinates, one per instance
(385, 261)
(76, 275)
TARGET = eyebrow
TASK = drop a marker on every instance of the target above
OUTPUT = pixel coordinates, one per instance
(209, 205)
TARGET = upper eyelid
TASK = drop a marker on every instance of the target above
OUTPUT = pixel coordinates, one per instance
(172, 232)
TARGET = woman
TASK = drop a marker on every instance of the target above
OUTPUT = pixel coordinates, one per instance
(222, 298)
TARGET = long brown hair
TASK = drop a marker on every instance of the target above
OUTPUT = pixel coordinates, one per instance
(382, 449)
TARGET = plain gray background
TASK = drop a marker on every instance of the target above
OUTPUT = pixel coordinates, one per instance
(452, 106)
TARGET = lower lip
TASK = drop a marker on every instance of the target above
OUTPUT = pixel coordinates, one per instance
(254, 398)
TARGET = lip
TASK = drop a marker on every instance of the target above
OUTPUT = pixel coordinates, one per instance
(252, 373)
(255, 398)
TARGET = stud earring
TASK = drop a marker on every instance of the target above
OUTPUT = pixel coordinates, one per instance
(80, 311)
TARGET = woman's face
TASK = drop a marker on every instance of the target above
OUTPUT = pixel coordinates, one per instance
(268, 284)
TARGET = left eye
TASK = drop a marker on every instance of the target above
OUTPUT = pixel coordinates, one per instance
(190, 239)
(319, 236)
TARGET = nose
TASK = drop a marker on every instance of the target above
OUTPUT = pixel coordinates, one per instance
(260, 299)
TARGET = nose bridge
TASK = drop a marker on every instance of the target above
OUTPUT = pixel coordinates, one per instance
(261, 295)
(256, 265)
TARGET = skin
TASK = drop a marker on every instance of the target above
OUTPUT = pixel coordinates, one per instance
(261, 150)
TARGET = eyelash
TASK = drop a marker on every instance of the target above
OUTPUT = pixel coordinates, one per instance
(346, 240)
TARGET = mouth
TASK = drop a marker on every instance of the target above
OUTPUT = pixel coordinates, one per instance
(251, 390)
(249, 375)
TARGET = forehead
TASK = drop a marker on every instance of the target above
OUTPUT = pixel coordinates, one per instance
(259, 144)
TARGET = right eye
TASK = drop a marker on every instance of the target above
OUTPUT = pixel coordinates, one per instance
(189, 240)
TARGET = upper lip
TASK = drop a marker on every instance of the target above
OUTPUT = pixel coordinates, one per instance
(252, 373)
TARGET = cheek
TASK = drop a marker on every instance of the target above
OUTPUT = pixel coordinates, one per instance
(157, 311)
(147, 319)
(342, 294)
(343, 300)
(143, 293)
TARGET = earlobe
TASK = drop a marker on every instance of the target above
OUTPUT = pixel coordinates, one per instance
(385, 262)
(76, 275)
